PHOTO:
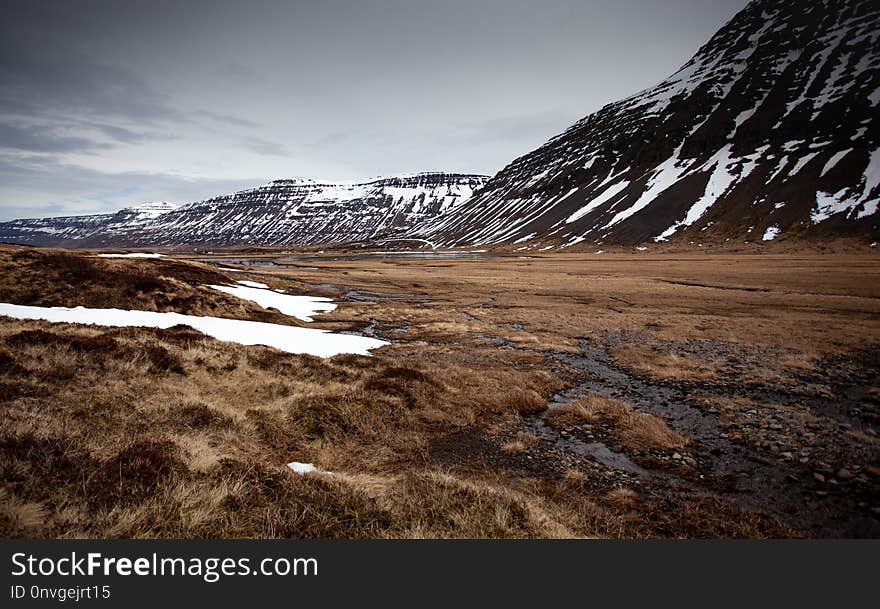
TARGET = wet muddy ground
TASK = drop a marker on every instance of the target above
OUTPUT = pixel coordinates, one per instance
(793, 452)
(799, 449)
(790, 452)
(797, 443)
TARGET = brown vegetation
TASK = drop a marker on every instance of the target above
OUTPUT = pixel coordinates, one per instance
(93, 446)
(57, 278)
(661, 366)
(136, 432)
(634, 430)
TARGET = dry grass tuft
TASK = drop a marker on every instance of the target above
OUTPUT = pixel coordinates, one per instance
(408, 384)
(662, 366)
(634, 430)
(574, 414)
(198, 416)
(134, 473)
(20, 517)
(574, 477)
(441, 505)
(621, 497)
(525, 402)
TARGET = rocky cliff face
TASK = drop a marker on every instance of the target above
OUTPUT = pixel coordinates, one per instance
(284, 212)
(769, 132)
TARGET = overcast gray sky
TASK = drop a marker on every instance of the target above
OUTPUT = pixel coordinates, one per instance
(106, 104)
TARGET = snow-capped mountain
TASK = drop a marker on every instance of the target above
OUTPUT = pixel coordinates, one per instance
(284, 212)
(770, 131)
(69, 230)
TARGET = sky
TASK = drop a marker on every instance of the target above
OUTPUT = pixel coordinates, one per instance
(107, 104)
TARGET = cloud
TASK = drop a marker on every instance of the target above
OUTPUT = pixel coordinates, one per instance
(33, 185)
(333, 139)
(67, 135)
(48, 81)
(35, 138)
(46, 67)
(227, 118)
(125, 135)
(265, 147)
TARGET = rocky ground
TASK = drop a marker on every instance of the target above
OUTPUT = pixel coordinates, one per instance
(777, 429)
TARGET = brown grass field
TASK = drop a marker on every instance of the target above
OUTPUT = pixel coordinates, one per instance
(623, 395)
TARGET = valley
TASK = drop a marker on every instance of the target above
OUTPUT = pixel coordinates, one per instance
(676, 394)
(662, 322)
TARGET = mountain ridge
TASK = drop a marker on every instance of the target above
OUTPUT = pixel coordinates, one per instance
(769, 126)
(287, 211)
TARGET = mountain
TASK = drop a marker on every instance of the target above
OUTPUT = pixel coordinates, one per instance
(69, 230)
(283, 212)
(770, 131)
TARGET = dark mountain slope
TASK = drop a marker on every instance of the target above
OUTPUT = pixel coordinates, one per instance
(769, 131)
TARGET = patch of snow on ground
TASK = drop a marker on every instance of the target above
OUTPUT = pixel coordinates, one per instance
(665, 235)
(783, 163)
(720, 181)
(302, 468)
(802, 163)
(254, 284)
(321, 343)
(718, 184)
(828, 204)
(301, 307)
(568, 194)
(771, 233)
